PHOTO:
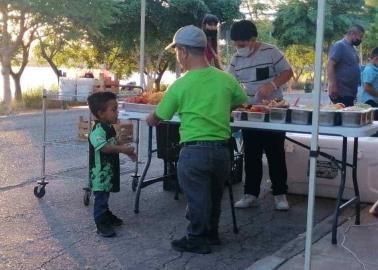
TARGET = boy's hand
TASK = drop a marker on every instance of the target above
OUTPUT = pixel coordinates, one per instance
(129, 151)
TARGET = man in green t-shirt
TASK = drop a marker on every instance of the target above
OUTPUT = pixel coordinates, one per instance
(203, 99)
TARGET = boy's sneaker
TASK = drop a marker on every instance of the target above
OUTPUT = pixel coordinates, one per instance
(246, 201)
(280, 203)
(114, 220)
(104, 228)
(186, 245)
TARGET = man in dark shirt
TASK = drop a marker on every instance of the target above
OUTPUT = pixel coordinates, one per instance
(343, 67)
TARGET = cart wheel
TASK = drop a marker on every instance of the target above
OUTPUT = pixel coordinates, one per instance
(87, 197)
(134, 183)
(39, 191)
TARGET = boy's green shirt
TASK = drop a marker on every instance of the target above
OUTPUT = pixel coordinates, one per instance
(203, 99)
(104, 168)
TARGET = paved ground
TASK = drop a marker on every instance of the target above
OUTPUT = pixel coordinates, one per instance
(57, 232)
(356, 249)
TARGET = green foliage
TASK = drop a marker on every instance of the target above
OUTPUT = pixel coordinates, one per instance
(163, 18)
(296, 21)
(301, 59)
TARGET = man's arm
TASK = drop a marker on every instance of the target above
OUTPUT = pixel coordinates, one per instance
(370, 89)
(266, 89)
(152, 119)
(332, 85)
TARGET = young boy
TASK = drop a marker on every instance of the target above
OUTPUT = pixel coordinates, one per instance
(104, 159)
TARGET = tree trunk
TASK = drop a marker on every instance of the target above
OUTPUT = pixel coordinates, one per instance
(53, 66)
(6, 64)
(159, 77)
(49, 60)
(17, 86)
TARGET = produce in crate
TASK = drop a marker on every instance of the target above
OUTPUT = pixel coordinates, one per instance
(155, 97)
(146, 98)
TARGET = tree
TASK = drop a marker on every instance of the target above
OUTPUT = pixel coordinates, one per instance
(258, 10)
(301, 59)
(15, 21)
(21, 60)
(295, 22)
(163, 18)
(371, 23)
(73, 20)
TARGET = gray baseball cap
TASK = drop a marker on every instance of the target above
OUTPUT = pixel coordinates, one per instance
(189, 35)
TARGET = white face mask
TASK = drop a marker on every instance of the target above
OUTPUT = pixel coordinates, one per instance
(243, 51)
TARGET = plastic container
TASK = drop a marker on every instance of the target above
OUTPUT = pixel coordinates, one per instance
(328, 176)
(67, 89)
(84, 88)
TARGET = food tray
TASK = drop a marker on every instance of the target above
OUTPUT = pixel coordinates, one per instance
(239, 115)
(278, 115)
(301, 116)
(354, 118)
(257, 116)
(135, 107)
(328, 118)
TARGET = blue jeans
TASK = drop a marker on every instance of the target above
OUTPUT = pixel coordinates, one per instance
(101, 206)
(202, 171)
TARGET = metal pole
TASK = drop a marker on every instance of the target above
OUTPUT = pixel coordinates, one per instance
(142, 36)
(43, 169)
(315, 132)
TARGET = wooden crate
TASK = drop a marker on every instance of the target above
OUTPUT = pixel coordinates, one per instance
(84, 128)
(124, 131)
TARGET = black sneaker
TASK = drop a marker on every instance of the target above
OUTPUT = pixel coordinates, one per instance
(104, 228)
(114, 220)
(213, 239)
(186, 245)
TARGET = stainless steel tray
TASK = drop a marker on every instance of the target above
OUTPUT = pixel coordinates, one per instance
(238, 115)
(301, 116)
(354, 118)
(278, 115)
(256, 116)
(328, 118)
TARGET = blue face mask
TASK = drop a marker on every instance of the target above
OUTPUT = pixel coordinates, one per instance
(244, 52)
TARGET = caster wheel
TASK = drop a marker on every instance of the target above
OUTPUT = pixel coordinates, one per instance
(87, 197)
(134, 183)
(39, 191)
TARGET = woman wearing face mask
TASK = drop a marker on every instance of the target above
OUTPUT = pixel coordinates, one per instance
(210, 27)
(262, 69)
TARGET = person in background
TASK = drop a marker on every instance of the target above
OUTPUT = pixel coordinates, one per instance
(104, 165)
(343, 68)
(203, 98)
(210, 27)
(369, 93)
(262, 69)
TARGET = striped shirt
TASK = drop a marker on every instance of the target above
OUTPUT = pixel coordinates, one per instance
(259, 68)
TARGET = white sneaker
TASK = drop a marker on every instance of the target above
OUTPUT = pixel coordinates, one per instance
(280, 202)
(246, 201)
